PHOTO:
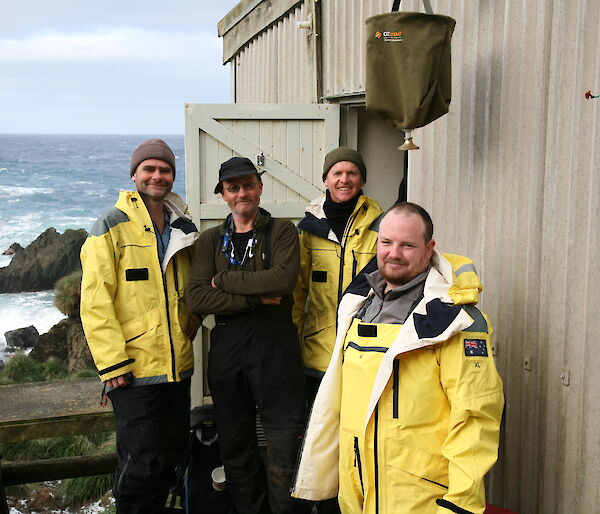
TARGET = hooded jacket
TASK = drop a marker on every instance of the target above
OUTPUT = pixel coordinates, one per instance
(134, 310)
(457, 444)
(327, 266)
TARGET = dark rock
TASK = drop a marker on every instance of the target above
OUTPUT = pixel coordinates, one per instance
(53, 344)
(22, 337)
(50, 257)
(66, 342)
(80, 356)
(12, 249)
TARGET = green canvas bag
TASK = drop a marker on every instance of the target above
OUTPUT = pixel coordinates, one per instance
(408, 70)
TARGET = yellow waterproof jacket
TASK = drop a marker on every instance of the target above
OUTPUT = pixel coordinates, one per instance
(327, 266)
(133, 310)
(448, 405)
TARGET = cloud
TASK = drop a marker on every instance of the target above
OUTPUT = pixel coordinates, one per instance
(114, 44)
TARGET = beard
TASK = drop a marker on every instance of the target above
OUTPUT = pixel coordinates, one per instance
(398, 276)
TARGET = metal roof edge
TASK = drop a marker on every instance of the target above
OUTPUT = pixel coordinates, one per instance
(247, 20)
(233, 17)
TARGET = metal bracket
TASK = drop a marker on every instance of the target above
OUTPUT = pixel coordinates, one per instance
(260, 160)
(306, 25)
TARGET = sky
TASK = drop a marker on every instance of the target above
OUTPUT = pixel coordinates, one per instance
(108, 67)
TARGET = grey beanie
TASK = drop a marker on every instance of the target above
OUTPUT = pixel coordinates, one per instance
(152, 149)
(343, 153)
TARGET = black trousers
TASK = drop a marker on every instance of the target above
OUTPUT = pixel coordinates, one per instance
(153, 424)
(256, 361)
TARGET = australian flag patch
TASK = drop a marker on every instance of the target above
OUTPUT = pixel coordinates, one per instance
(475, 348)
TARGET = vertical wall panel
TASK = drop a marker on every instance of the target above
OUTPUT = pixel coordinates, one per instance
(344, 43)
(278, 66)
(511, 178)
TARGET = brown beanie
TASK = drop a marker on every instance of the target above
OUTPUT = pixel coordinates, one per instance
(152, 149)
(343, 153)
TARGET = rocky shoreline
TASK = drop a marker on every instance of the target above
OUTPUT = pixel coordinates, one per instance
(41, 264)
(39, 267)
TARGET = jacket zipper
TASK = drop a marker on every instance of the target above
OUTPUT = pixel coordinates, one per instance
(358, 464)
(176, 278)
(166, 293)
(354, 265)
(396, 391)
(169, 326)
(343, 255)
(376, 460)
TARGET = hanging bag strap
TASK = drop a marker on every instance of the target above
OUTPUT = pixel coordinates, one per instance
(426, 4)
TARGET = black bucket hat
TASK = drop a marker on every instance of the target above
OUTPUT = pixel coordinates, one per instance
(235, 167)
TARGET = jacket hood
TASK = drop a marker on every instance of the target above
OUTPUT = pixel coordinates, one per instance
(417, 331)
(458, 271)
(173, 202)
(183, 231)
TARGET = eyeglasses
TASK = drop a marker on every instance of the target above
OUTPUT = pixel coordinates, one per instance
(249, 186)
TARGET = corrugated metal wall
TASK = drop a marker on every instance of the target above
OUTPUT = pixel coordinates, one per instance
(278, 66)
(344, 43)
(512, 178)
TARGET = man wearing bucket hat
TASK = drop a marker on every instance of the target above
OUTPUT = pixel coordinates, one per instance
(244, 272)
(133, 308)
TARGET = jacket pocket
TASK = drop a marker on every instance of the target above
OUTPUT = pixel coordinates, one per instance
(430, 467)
(135, 329)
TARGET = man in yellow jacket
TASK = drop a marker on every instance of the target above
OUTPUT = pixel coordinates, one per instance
(338, 236)
(407, 417)
(133, 308)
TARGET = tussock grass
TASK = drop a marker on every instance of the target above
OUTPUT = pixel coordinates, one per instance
(67, 294)
(21, 369)
(75, 491)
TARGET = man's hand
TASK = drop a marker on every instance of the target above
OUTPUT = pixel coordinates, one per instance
(192, 327)
(212, 283)
(270, 300)
(116, 382)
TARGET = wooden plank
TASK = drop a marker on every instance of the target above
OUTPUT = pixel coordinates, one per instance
(244, 147)
(70, 425)
(48, 409)
(258, 111)
(14, 473)
(288, 140)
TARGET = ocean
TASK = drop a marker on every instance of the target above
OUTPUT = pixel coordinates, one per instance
(60, 181)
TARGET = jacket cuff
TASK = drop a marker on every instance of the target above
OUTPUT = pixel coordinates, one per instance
(451, 507)
(115, 370)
